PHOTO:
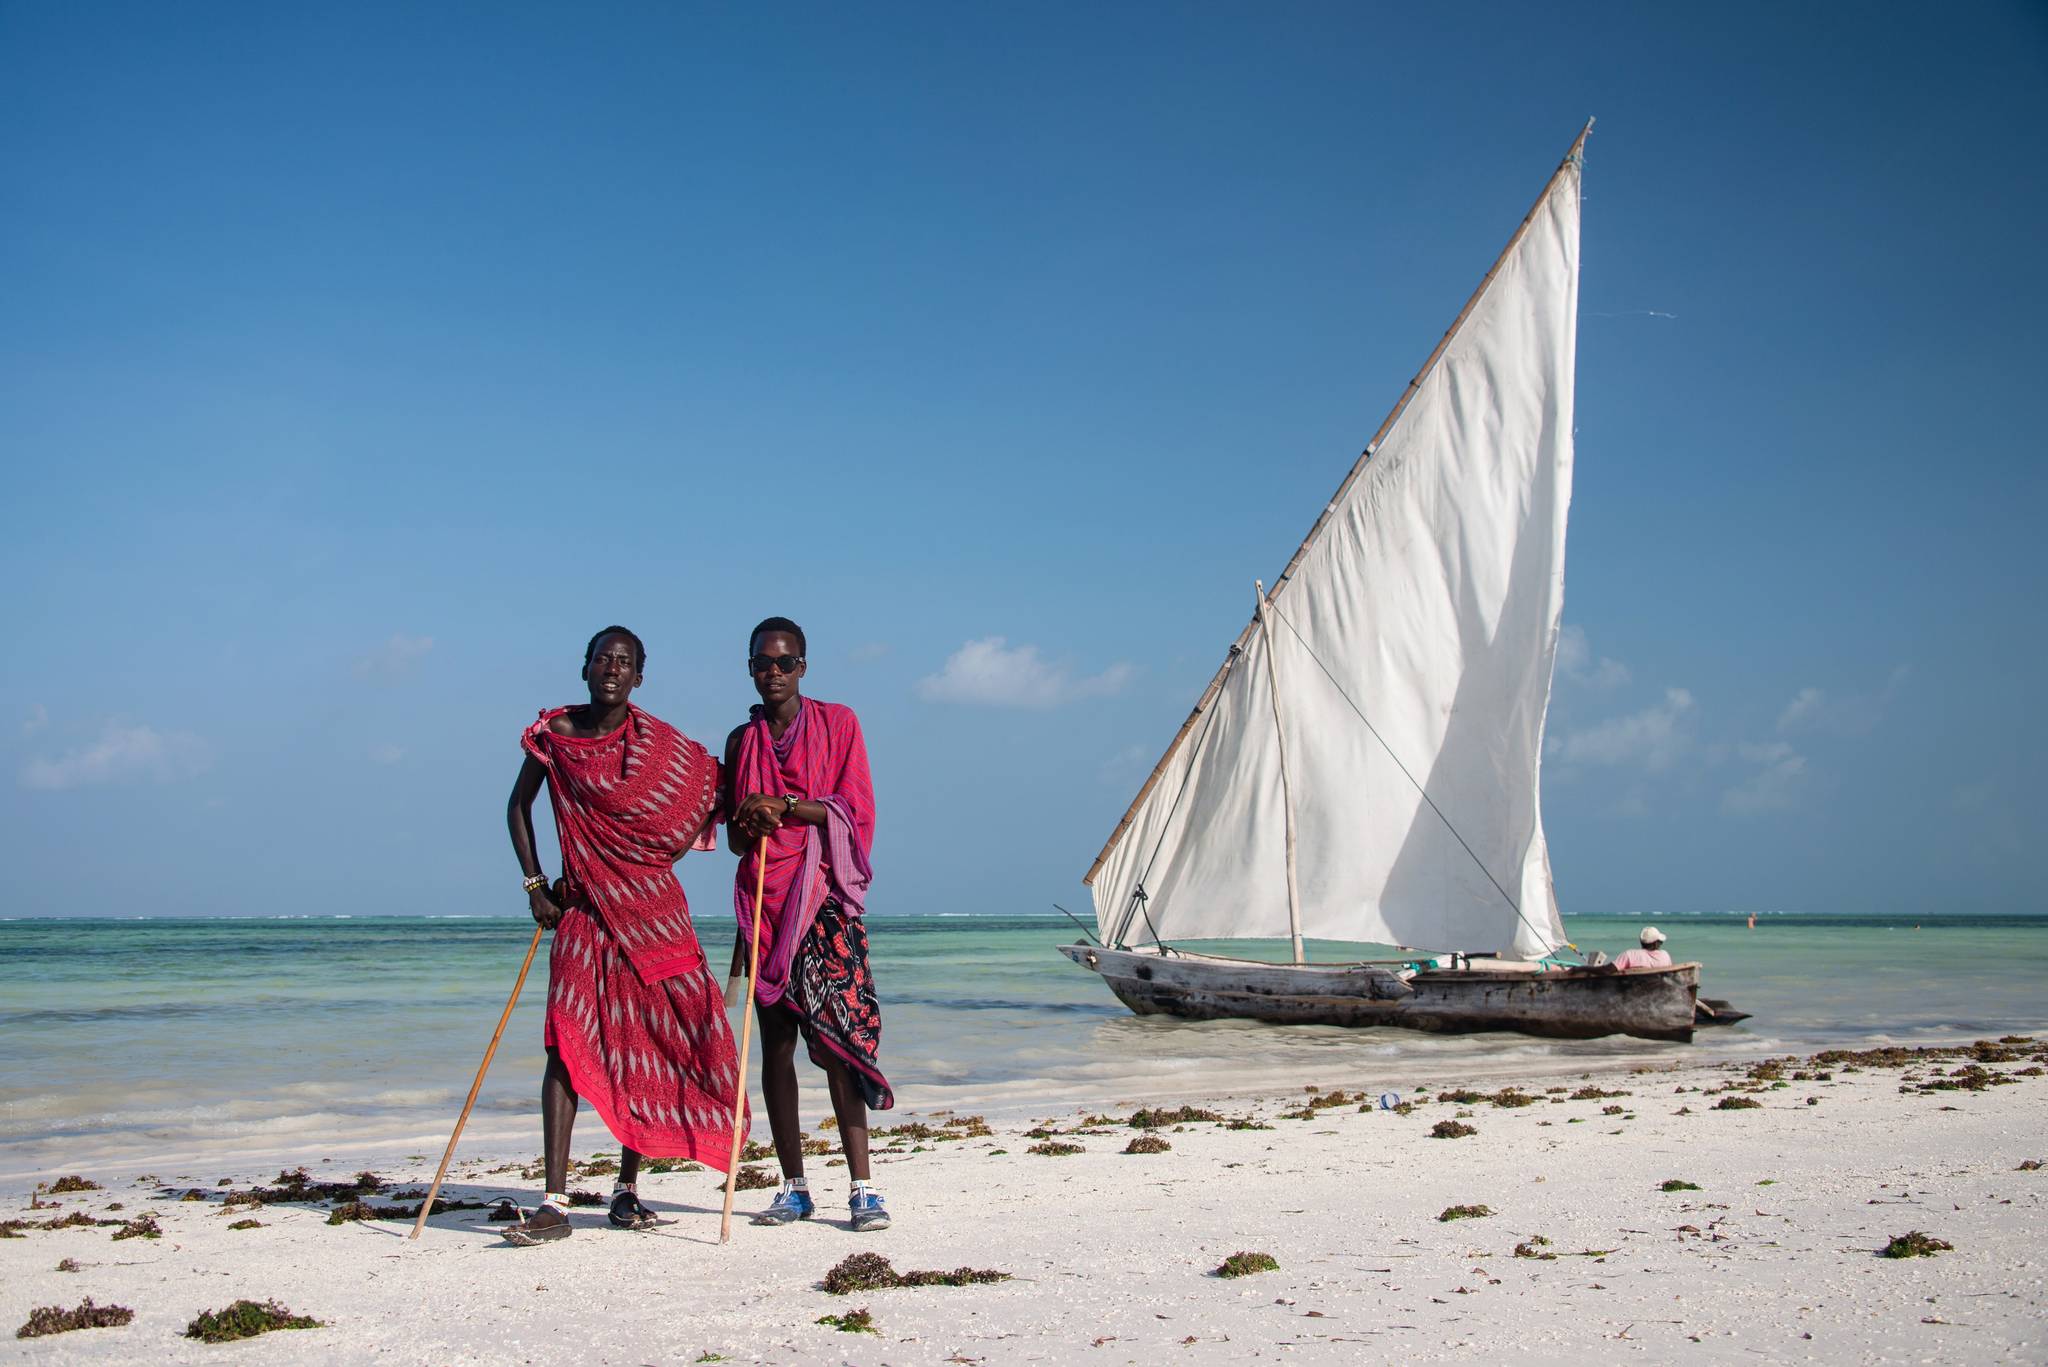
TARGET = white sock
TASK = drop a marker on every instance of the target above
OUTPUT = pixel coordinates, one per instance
(862, 1187)
(796, 1184)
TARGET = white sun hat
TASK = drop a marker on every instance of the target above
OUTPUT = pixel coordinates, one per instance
(1652, 936)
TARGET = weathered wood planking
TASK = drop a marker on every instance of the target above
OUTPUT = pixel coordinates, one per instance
(1650, 1003)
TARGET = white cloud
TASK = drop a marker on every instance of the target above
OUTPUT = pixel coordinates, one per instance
(1575, 661)
(1125, 766)
(989, 673)
(38, 717)
(1811, 709)
(384, 752)
(868, 652)
(122, 754)
(1774, 786)
(395, 659)
(1655, 737)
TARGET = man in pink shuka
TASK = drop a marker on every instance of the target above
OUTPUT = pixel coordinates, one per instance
(1650, 955)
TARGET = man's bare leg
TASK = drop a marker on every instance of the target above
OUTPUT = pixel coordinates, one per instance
(851, 1110)
(557, 1120)
(779, 1034)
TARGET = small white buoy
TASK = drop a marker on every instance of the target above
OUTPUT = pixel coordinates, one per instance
(1389, 1100)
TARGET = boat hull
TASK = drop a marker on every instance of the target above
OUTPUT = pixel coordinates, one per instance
(1572, 1003)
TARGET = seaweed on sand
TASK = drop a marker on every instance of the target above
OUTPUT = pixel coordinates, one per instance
(1147, 1143)
(247, 1224)
(872, 1272)
(753, 1179)
(1678, 1184)
(1464, 1213)
(660, 1165)
(1737, 1103)
(55, 1319)
(852, 1322)
(69, 1265)
(1450, 1129)
(1245, 1264)
(1054, 1148)
(245, 1319)
(1158, 1118)
(1595, 1094)
(296, 1184)
(75, 1220)
(1914, 1244)
(1535, 1246)
(2029, 1165)
(143, 1226)
(73, 1183)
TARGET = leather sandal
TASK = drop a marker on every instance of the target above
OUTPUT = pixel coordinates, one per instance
(526, 1234)
(630, 1212)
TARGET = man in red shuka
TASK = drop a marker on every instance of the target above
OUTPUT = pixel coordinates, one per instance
(635, 1022)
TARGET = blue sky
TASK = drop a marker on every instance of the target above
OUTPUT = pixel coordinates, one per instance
(357, 364)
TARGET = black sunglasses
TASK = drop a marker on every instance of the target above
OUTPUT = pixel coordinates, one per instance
(782, 664)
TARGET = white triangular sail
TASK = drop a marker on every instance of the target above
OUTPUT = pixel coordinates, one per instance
(1412, 645)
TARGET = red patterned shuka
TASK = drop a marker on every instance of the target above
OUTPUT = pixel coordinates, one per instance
(633, 1009)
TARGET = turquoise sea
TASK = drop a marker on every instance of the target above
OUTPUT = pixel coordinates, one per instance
(188, 1044)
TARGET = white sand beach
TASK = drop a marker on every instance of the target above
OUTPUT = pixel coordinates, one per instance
(1774, 1257)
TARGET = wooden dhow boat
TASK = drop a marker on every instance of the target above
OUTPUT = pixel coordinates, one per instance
(1365, 765)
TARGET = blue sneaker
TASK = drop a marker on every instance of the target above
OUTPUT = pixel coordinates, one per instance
(789, 1205)
(869, 1212)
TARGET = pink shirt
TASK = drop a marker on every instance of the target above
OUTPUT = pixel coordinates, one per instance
(1643, 958)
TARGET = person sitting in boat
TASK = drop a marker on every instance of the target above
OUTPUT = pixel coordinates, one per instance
(1650, 954)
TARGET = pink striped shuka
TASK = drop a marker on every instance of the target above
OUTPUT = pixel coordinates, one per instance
(633, 1010)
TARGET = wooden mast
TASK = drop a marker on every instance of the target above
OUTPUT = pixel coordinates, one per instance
(1571, 158)
(1262, 614)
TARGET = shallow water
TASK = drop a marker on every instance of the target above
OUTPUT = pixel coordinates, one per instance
(162, 1041)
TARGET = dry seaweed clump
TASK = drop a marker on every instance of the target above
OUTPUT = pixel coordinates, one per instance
(1914, 1244)
(1450, 1129)
(852, 1322)
(660, 1165)
(1159, 1118)
(1464, 1213)
(55, 1319)
(247, 1224)
(2029, 1165)
(1147, 1143)
(1738, 1103)
(1054, 1148)
(73, 1183)
(1535, 1246)
(753, 1179)
(245, 1319)
(872, 1272)
(141, 1227)
(1678, 1184)
(1244, 1264)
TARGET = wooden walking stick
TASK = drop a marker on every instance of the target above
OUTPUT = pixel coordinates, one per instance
(427, 1206)
(739, 1100)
